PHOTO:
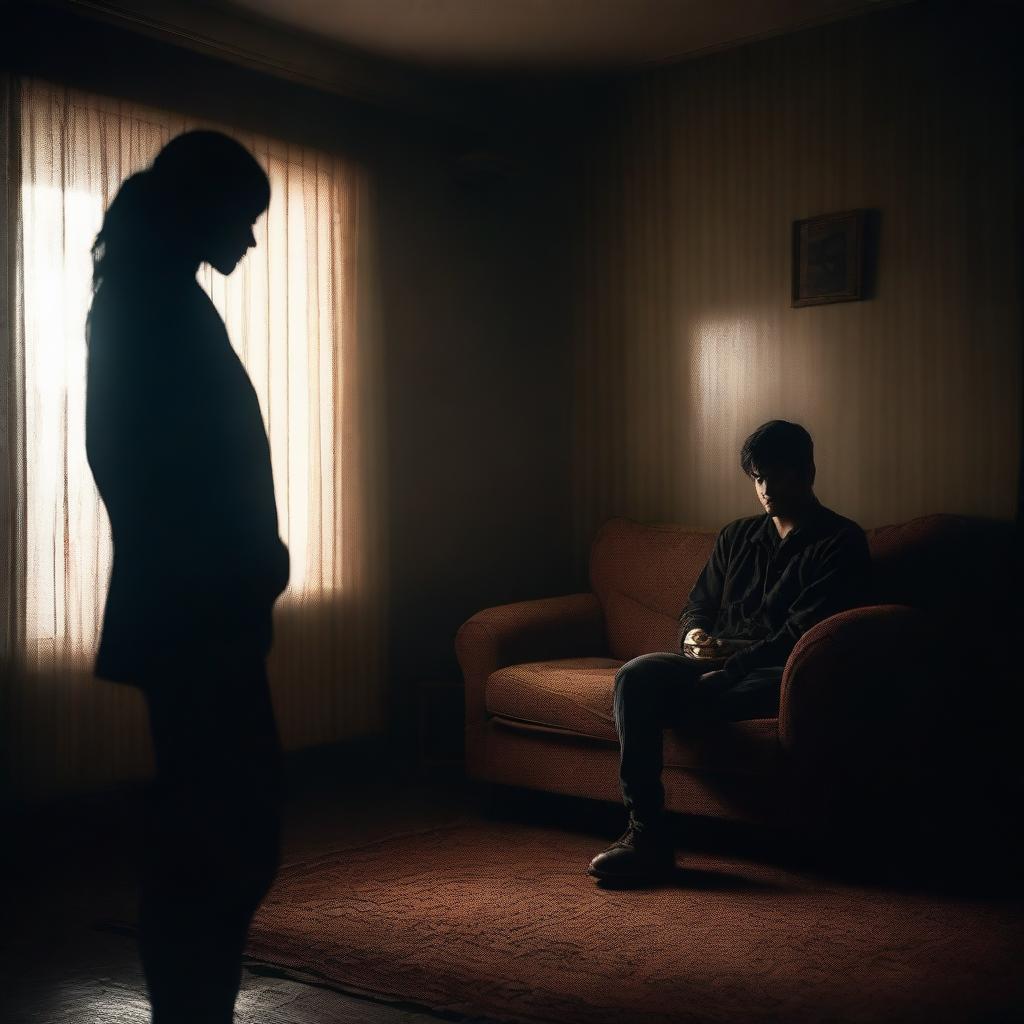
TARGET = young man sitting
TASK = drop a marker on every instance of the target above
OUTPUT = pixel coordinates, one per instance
(769, 579)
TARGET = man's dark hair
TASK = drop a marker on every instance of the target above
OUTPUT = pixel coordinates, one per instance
(778, 443)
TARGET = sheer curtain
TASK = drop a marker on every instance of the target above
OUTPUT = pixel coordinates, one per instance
(299, 312)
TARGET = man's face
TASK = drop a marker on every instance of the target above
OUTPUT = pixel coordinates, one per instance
(779, 489)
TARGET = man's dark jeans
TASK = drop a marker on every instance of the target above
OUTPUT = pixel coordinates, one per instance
(662, 689)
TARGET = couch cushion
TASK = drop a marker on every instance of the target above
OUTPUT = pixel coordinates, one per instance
(575, 695)
(570, 693)
(635, 628)
(642, 574)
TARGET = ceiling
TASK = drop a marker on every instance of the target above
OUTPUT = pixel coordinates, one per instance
(546, 34)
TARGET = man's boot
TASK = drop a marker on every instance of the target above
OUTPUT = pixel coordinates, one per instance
(644, 850)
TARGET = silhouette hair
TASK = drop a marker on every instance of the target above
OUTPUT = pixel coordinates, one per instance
(778, 443)
(200, 181)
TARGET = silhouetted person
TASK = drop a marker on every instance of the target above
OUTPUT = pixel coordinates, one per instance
(769, 579)
(176, 443)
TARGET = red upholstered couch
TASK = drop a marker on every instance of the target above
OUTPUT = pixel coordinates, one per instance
(879, 704)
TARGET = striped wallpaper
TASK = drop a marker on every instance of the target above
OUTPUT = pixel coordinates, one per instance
(690, 177)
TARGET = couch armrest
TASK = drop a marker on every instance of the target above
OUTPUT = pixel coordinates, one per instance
(861, 695)
(571, 626)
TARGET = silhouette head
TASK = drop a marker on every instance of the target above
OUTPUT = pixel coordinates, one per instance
(196, 203)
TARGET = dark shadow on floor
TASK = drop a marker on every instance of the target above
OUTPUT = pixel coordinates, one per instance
(977, 854)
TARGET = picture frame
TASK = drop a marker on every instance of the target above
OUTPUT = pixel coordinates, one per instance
(828, 258)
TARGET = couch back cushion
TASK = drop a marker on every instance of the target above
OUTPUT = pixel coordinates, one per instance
(946, 564)
(950, 565)
(642, 574)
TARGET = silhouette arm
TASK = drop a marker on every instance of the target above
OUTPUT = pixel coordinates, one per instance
(177, 445)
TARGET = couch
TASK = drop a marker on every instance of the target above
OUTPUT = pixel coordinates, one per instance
(881, 705)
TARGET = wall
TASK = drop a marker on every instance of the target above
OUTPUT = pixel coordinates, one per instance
(684, 338)
(479, 396)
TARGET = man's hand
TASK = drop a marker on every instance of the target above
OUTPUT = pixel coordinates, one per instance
(699, 638)
(706, 644)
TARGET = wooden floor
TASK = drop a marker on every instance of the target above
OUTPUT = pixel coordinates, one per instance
(72, 878)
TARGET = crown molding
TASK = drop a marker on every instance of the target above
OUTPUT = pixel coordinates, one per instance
(218, 30)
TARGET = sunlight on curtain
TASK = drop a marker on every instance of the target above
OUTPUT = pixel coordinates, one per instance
(68, 542)
(274, 315)
(291, 312)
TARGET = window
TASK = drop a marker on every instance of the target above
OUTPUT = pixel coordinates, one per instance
(286, 311)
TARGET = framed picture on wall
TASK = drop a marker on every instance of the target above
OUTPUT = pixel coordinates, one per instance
(828, 258)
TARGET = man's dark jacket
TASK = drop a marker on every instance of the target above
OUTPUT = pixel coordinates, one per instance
(769, 591)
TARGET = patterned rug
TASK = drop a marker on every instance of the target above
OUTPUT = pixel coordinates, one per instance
(498, 919)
